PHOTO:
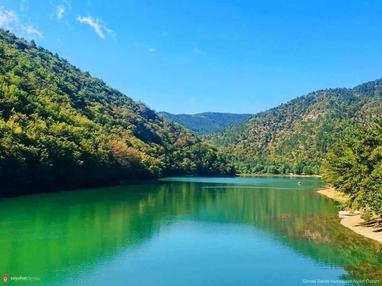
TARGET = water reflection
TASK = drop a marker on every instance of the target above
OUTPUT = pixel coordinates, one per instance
(54, 236)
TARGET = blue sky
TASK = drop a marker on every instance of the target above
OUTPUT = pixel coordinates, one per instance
(193, 56)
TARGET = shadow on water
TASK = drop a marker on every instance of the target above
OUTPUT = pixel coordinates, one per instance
(53, 236)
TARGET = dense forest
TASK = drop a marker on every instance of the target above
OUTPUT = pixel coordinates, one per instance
(295, 137)
(60, 127)
(207, 123)
(354, 166)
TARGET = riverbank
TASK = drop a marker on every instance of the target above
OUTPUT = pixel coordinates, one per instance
(354, 223)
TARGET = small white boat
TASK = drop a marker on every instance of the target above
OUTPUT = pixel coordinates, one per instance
(347, 213)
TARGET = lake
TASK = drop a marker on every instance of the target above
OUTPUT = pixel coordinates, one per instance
(184, 231)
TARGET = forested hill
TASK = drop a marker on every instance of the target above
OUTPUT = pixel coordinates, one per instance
(207, 123)
(294, 137)
(60, 127)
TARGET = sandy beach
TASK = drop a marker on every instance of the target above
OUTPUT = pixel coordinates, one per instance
(353, 223)
(331, 193)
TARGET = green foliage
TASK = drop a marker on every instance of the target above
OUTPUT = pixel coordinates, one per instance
(207, 123)
(295, 137)
(60, 127)
(354, 166)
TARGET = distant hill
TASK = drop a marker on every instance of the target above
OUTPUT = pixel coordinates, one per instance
(207, 122)
(61, 127)
(294, 137)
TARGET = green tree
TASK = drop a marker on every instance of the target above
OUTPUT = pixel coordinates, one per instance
(354, 166)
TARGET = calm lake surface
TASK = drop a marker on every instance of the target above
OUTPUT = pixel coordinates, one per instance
(184, 231)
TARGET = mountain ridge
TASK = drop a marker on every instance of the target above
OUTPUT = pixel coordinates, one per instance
(63, 128)
(207, 123)
(295, 136)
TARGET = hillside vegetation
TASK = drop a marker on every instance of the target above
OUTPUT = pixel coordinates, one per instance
(207, 123)
(295, 137)
(60, 127)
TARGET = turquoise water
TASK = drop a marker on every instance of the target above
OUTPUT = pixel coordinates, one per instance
(184, 231)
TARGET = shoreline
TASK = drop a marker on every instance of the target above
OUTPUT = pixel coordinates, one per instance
(333, 194)
(354, 223)
(278, 175)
